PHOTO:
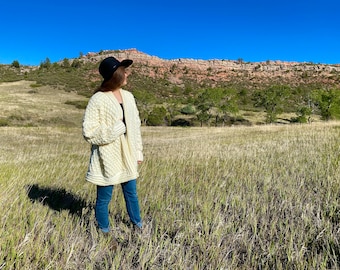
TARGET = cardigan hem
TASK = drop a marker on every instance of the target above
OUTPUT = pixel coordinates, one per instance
(119, 178)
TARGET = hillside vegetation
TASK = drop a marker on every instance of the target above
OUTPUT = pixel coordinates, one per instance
(202, 93)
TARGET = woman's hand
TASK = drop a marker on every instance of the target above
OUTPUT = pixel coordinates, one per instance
(139, 162)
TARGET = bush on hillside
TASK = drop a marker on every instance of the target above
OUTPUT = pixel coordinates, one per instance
(328, 103)
(157, 117)
(15, 64)
(189, 110)
(79, 104)
(4, 122)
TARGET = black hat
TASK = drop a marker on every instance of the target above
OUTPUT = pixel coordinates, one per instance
(109, 65)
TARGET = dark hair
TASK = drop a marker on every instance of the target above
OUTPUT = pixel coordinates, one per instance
(115, 82)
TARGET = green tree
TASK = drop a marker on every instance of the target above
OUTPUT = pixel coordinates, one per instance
(55, 66)
(145, 101)
(203, 116)
(303, 114)
(66, 63)
(240, 61)
(328, 103)
(216, 103)
(46, 64)
(205, 102)
(273, 100)
(243, 96)
(227, 105)
(172, 111)
(16, 64)
(76, 63)
(302, 104)
(157, 116)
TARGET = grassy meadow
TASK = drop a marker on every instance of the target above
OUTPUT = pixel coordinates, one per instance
(259, 197)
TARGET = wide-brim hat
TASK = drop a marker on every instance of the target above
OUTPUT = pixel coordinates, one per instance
(110, 64)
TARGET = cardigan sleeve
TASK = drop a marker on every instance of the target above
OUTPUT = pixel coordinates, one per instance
(138, 138)
(95, 130)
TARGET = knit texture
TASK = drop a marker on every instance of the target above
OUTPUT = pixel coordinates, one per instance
(114, 155)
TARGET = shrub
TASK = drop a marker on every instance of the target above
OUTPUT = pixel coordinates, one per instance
(189, 109)
(46, 64)
(79, 104)
(4, 122)
(304, 114)
(157, 117)
(66, 63)
(34, 85)
(76, 63)
(328, 102)
(15, 64)
(299, 119)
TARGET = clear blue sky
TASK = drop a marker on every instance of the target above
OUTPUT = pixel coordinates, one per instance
(288, 30)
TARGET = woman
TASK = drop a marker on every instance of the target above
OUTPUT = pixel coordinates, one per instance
(111, 125)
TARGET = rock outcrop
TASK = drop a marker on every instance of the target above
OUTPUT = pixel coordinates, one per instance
(218, 71)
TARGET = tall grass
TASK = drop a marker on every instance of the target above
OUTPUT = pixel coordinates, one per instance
(264, 197)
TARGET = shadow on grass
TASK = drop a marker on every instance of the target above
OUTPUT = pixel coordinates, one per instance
(56, 199)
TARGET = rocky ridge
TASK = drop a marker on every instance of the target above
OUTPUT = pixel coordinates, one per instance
(216, 71)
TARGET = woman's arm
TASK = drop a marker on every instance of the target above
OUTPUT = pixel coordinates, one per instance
(95, 130)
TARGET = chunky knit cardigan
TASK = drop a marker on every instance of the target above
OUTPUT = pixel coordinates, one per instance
(115, 147)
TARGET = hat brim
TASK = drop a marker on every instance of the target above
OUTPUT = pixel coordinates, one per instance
(126, 63)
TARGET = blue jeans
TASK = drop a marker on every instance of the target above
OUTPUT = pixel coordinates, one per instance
(104, 195)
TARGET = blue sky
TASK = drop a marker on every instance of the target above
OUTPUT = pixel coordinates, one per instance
(289, 30)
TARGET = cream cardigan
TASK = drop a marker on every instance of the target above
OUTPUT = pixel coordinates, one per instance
(114, 155)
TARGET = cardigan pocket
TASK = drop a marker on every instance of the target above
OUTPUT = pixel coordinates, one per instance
(95, 168)
(129, 161)
(110, 157)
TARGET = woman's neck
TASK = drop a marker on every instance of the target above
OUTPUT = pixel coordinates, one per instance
(118, 95)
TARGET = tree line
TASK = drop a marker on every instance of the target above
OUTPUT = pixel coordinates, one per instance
(221, 106)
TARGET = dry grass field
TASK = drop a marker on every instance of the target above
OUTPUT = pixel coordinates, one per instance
(259, 197)
(24, 103)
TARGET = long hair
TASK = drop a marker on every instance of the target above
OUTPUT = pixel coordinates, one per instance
(115, 82)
